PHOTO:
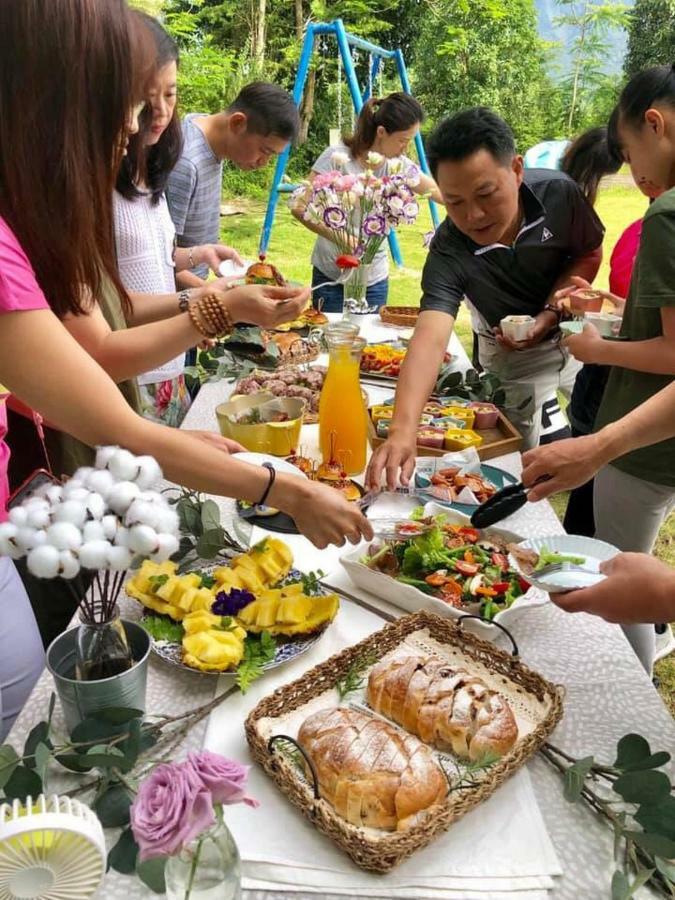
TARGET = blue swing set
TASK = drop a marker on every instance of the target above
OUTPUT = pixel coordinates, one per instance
(345, 43)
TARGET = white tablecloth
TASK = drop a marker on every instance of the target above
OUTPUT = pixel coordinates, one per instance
(608, 695)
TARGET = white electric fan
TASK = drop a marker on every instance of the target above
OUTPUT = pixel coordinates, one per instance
(50, 849)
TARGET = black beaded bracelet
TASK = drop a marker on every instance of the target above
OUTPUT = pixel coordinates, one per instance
(266, 492)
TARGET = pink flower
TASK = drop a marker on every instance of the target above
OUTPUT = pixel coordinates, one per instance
(172, 808)
(345, 183)
(224, 778)
(163, 395)
(325, 179)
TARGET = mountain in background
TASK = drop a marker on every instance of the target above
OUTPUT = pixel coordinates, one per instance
(548, 11)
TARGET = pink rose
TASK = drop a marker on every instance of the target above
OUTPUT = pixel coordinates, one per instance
(224, 778)
(325, 179)
(345, 183)
(172, 808)
(163, 395)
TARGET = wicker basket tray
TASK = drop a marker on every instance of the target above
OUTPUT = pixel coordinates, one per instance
(404, 316)
(536, 703)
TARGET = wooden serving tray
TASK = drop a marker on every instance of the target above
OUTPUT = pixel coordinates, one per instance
(502, 439)
(536, 704)
(403, 316)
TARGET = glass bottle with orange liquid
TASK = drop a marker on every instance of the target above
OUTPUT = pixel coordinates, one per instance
(343, 431)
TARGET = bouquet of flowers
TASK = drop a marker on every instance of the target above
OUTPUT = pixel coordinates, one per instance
(360, 209)
(99, 523)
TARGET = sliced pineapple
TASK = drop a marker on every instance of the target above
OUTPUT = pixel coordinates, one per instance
(289, 611)
(213, 650)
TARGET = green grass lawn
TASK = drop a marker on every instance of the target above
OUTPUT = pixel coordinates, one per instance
(291, 247)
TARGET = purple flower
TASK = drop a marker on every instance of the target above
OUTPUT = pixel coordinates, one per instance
(373, 225)
(172, 808)
(411, 211)
(229, 603)
(224, 778)
(334, 217)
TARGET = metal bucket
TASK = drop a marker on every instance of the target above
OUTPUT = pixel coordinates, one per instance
(80, 699)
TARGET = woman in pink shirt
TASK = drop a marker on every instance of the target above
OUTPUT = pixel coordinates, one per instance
(68, 67)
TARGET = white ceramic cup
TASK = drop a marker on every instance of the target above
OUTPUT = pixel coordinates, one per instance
(607, 323)
(516, 328)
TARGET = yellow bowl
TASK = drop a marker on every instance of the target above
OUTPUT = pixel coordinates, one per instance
(277, 438)
(461, 439)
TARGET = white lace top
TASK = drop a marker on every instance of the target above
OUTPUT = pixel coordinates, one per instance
(144, 237)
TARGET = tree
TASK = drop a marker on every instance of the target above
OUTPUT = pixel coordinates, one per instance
(483, 53)
(651, 35)
(592, 22)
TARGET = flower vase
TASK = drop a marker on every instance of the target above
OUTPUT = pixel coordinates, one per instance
(209, 868)
(103, 649)
(355, 289)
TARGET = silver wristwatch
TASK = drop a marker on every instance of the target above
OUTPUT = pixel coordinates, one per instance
(184, 300)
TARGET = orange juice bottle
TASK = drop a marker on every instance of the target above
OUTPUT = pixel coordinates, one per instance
(343, 430)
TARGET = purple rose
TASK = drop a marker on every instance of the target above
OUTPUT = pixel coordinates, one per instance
(224, 778)
(172, 808)
(229, 603)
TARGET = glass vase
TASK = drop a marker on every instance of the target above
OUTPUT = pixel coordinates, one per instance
(102, 649)
(355, 289)
(209, 868)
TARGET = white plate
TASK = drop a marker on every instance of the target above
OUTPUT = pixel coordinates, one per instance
(229, 269)
(594, 551)
(409, 598)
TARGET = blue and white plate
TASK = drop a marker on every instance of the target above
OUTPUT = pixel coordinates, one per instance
(498, 477)
(585, 575)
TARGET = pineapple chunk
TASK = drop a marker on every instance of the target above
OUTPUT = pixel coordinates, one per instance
(200, 620)
(294, 609)
(289, 614)
(213, 650)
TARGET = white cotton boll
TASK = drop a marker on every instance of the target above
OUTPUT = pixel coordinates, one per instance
(120, 558)
(149, 472)
(94, 554)
(72, 511)
(82, 473)
(8, 546)
(38, 517)
(122, 496)
(92, 531)
(167, 544)
(35, 502)
(143, 539)
(104, 455)
(168, 523)
(123, 465)
(76, 492)
(64, 536)
(142, 513)
(96, 505)
(110, 525)
(44, 561)
(54, 494)
(18, 516)
(122, 537)
(69, 564)
(27, 538)
(101, 481)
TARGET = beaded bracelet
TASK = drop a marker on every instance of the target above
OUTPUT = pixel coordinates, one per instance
(211, 317)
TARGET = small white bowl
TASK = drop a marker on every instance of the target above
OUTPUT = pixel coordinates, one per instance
(229, 269)
(516, 328)
(607, 323)
(594, 552)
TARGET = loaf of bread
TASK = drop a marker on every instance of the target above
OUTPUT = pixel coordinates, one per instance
(443, 705)
(372, 773)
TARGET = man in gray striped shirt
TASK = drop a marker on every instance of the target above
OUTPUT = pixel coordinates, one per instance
(258, 125)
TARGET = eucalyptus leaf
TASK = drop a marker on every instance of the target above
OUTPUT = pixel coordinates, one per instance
(575, 777)
(190, 519)
(104, 757)
(112, 807)
(659, 818)
(9, 760)
(210, 543)
(641, 879)
(24, 782)
(74, 762)
(151, 873)
(631, 749)
(122, 857)
(43, 754)
(93, 729)
(643, 787)
(620, 886)
(666, 868)
(38, 735)
(210, 515)
(653, 843)
(118, 715)
(131, 748)
(654, 761)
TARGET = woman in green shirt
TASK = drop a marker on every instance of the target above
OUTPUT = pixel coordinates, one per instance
(634, 494)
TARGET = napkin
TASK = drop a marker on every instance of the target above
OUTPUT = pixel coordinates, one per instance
(501, 846)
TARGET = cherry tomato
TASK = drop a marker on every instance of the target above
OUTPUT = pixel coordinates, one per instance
(346, 261)
(499, 559)
(501, 587)
(471, 534)
(465, 568)
(436, 579)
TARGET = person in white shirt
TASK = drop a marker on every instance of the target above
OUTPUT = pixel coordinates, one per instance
(145, 237)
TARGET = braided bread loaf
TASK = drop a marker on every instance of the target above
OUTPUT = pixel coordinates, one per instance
(372, 773)
(444, 706)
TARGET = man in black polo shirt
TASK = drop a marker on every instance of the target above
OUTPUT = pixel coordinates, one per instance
(511, 239)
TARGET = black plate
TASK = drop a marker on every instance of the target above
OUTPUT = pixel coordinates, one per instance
(280, 522)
